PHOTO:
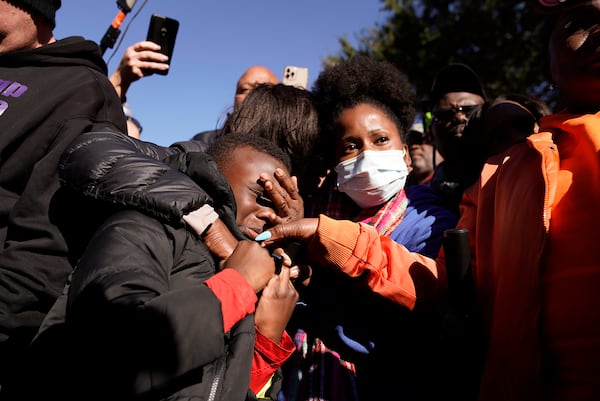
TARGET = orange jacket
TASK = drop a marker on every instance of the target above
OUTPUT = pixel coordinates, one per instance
(508, 214)
(515, 213)
(358, 247)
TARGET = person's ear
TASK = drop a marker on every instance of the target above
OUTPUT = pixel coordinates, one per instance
(407, 158)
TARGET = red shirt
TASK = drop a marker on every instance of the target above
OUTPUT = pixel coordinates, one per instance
(238, 300)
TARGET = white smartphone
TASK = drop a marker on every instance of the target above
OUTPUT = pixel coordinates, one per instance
(295, 76)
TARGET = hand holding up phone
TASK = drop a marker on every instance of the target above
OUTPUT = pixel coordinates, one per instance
(163, 31)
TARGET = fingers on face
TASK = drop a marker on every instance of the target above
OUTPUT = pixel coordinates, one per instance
(283, 204)
(270, 215)
(278, 195)
(289, 184)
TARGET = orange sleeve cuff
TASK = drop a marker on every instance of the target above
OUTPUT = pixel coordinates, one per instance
(334, 241)
(354, 248)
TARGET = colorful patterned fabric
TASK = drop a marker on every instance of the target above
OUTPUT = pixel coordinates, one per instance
(331, 202)
(387, 218)
(318, 374)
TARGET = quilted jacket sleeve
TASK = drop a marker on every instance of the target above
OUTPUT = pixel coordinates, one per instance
(163, 182)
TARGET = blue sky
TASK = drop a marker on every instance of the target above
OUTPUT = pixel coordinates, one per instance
(217, 41)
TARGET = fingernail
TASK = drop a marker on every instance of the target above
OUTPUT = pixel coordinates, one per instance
(265, 235)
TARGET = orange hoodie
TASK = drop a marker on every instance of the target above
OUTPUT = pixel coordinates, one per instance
(534, 219)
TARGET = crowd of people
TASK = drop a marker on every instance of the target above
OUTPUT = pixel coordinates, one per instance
(304, 249)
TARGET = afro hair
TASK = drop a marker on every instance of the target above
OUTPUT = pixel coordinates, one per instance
(357, 80)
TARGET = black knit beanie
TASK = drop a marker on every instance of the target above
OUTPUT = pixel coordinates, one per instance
(46, 8)
(455, 77)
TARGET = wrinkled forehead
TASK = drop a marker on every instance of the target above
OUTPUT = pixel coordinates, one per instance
(257, 76)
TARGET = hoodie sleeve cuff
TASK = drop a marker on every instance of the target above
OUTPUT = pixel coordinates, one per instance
(334, 241)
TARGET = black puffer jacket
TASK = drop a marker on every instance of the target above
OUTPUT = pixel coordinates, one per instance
(162, 182)
(106, 171)
(137, 321)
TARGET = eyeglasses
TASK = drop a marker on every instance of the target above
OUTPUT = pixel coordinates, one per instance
(444, 115)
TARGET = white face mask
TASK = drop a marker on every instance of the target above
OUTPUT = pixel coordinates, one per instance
(372, 177)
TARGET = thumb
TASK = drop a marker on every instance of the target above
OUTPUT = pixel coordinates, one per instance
(301, 229)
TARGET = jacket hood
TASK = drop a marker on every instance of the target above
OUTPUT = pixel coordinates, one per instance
(74, 50)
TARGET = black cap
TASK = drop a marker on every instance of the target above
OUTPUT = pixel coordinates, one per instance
(455, 77)
(46, 8)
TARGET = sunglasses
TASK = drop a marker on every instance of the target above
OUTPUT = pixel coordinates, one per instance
(415, 138)
(443, 115)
